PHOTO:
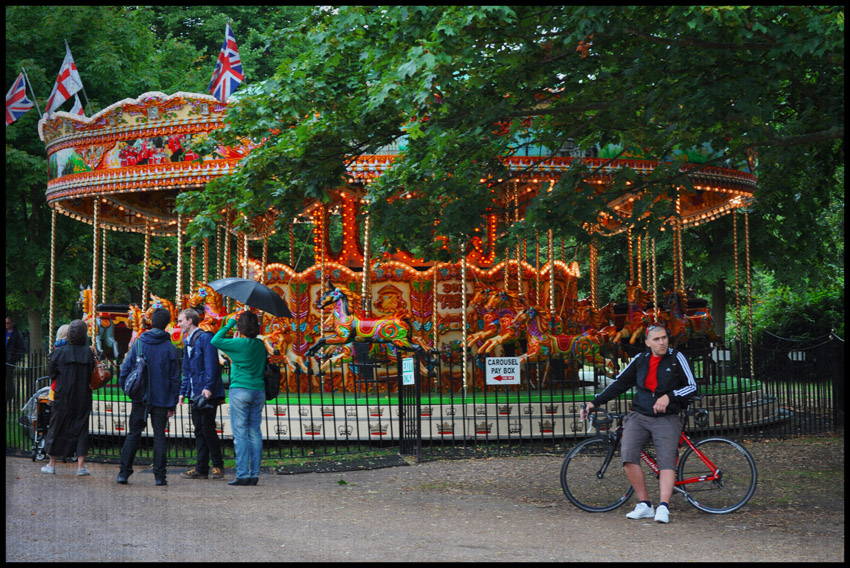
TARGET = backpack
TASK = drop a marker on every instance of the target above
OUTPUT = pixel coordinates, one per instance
(271, 376)
(136, 384)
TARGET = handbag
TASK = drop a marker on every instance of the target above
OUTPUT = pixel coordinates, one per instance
(136, 384)
(200, 402)
(100, 375)
(271, 377)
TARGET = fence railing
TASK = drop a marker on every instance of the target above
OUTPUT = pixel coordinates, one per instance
(796, 388)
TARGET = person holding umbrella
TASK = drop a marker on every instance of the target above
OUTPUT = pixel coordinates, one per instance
(247, 392)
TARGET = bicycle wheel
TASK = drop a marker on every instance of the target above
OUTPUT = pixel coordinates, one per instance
(593, 478)
(737, 476)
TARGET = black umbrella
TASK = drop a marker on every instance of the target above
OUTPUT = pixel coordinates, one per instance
(252, 293)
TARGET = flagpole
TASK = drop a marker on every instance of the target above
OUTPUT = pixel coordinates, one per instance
(35, 100)
(82, 87)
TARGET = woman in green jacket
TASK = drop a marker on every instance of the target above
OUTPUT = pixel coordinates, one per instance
(247, 393)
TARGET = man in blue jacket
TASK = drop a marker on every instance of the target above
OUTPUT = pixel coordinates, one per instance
(664, 383)
(201, 382)
(160, 401)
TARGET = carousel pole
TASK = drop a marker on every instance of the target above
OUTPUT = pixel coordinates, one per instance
(593, 260)
(193, 257)
(551, 253)
(103, 264)
(519, 257)
(365, 294)
(265, 256)
(52, 276)
(206, 266)
(218, 261)
(737, 277)
(95, 248)
(245, 255)
(434, 308)
(630, 253)
(747, 268)
(638, 261)
(655, 307)
(537, 268)
(292, 245)
(463, 313)
(179, 286)
(146, 261)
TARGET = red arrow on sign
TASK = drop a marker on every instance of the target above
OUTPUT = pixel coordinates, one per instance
(501, 378)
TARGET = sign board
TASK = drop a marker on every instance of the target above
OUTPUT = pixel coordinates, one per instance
(407, 376)
(502, 370)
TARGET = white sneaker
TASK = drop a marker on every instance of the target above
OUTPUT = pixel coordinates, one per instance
(642, 511)
(662, 515)
(83, 471)
(48, 469)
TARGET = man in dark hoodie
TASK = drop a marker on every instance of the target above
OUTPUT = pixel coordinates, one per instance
(160, 401)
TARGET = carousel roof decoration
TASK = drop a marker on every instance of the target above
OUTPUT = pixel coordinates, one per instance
(133, 156)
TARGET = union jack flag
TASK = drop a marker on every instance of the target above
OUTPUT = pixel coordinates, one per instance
(67, 83)
(17, 103)
(227, 74)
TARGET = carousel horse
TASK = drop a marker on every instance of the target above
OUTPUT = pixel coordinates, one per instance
(349, 327)
(105, 327)
(489, 319)
(173, 330)
(673, 318)
(582, 347)
(279, 340)
(507, 305)
(637, 320)
(599, 320)
(135, 323)
(701, 322)
(211, 305)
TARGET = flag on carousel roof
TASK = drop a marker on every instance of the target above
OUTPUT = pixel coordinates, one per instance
(78, 106)
(17, 103)
(68, 82)
(227, 74)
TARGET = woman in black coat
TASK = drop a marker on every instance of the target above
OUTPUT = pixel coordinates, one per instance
(71, 366)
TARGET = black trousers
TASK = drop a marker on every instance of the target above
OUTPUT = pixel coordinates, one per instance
(137, 423)
(207, 444)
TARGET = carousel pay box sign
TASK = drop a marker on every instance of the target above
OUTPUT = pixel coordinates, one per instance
(407, 376)
(502, 370)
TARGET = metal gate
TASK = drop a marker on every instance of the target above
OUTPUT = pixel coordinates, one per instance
(409, 404)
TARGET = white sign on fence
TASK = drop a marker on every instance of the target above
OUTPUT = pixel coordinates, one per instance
(407, 376)
(502, 370)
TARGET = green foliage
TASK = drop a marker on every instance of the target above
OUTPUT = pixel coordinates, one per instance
(790, 314)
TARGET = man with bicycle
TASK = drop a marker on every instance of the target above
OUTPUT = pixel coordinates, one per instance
(664, 383)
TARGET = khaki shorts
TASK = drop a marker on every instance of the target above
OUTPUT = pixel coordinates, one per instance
(665, 432)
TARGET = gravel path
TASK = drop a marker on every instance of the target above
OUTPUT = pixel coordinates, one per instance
(497, 509)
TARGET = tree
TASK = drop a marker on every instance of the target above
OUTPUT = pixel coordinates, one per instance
(448, 78)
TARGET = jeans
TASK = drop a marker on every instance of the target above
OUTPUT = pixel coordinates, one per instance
(207, 443)
(246, 411)
(137, 423)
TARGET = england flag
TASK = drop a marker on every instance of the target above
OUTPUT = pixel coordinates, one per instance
(17, 103)
(227, 74)
(67, 83)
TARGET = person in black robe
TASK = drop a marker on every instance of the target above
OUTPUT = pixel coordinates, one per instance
(71, 366)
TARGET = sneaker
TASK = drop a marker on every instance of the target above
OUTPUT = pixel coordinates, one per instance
(48, 469)
(121, 479)
(193, 474)
(642, 511)
(83, 471)
(217, 473)
(662, 515)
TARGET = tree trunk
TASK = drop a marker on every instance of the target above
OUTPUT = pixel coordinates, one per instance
(718, 307)
(34, 319)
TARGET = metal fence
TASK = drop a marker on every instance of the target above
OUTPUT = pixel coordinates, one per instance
(796, 387)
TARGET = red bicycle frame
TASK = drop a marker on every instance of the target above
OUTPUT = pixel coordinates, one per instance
(647, 459)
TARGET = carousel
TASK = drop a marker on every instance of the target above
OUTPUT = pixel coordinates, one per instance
(122, 169)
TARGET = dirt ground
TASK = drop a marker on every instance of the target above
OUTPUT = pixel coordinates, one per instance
(496, 509)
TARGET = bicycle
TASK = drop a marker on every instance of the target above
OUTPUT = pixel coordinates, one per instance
(593, 480)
